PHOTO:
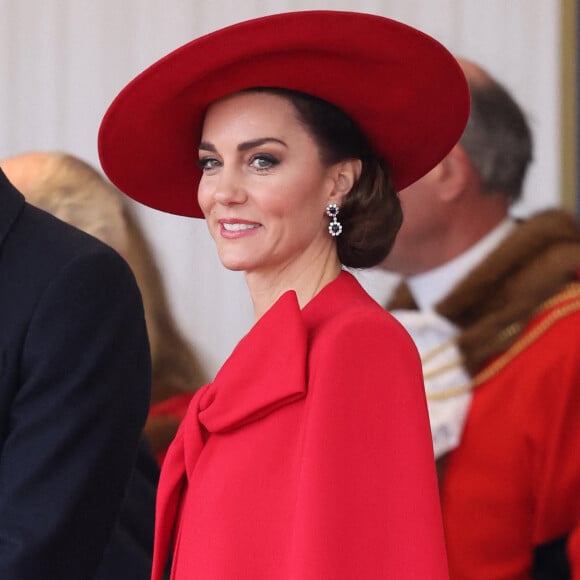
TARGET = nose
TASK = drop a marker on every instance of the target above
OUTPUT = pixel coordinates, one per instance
(229, 188)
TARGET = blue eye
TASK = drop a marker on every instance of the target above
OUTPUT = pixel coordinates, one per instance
(264, 161)
(208, 163)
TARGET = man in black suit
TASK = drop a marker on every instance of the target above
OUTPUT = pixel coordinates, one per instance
(74, 392)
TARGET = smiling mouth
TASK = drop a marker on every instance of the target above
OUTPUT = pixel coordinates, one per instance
(237, 227)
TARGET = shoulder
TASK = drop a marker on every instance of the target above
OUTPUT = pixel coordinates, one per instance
(33, 236)
(547, 352)
(47, 265)
(549, 346)
(363, 343)
(364, 362)
(554, 328)
(362, 321)
(44, 247)
(48, 234)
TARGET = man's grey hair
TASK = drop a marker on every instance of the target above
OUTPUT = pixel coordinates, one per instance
(497, 139)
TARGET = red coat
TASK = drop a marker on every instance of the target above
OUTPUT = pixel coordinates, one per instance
(309, 456)
(516, 475)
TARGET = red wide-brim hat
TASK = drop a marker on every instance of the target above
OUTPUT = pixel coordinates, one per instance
(405, 90)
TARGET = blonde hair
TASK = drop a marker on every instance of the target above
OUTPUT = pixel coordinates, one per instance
(75, 192)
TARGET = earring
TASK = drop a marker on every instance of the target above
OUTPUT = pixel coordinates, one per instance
(334, 227)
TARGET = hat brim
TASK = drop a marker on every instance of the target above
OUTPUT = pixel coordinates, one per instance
(404, 89)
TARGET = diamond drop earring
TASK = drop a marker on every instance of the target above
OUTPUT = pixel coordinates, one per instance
(334, 227)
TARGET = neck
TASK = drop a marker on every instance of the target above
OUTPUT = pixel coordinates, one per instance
(306, 280)
(429, 288)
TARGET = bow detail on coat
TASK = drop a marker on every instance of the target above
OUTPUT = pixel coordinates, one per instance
(242, 392)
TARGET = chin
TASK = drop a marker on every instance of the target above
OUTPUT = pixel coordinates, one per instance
(234, 267)
(234, 264)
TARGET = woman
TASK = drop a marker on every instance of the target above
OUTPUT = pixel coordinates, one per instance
(309, 455)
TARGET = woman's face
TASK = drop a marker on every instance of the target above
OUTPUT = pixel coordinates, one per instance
(264, 189)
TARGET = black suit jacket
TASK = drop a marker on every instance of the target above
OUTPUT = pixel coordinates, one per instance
(74, 392)
(130, 552)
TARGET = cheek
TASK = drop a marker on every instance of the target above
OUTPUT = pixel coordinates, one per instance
(204, 199)
(308, 221)
(307, 198)
(300, 212)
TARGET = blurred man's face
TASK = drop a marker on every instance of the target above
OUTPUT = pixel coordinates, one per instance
(424, 219)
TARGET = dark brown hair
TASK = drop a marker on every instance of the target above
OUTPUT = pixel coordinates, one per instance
(371, 213)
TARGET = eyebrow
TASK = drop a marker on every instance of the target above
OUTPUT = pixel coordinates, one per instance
(245, 146)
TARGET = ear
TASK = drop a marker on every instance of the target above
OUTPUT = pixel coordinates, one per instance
(344, 175)
(455, 170)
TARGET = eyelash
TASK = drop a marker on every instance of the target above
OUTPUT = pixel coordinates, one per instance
(204, 163)
(209, 163)
(269, 159)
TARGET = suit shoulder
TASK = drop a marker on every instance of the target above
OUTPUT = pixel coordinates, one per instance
(41, 250)
(40, 238)
(43, 227)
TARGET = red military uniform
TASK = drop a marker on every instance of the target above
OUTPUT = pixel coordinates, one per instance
(511, 489)
(513, 484)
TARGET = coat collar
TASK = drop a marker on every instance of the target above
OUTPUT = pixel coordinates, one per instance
(243, 390)
(277, 346)
(11, 205)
